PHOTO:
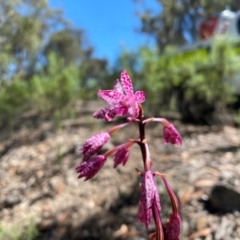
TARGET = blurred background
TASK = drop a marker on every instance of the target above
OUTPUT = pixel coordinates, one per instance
(56, 54)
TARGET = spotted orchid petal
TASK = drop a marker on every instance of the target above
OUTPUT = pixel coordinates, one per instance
(149, 198)
(90, 168)
(126, 83)
(100, 114)
(171, 135)
(111, 112)
(140, 96)
(121, 156)
(144, 214)
(111, 96)
(173, 227)
(94, 144)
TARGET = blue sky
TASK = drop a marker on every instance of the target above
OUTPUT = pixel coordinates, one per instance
(109, 25)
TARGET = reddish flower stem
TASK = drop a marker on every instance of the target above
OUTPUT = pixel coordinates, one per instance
(115, 128)
(159, 230)
(142, 143)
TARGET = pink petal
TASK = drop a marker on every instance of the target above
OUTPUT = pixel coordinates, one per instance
(115, 110)
(90, 168)
(111, 96)
(140, 96)
(121, 156)
(149, 199)
(107, 113)
(144, 215)
(171, 135)
(173, 228)
(126, 83)
(94, 144)
(122, 111)
(118, 86)
(111, 113)
(148, 188)
(100, 114)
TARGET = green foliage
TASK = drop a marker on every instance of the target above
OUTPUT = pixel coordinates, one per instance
(54, 90)
(55, 87)
(93, 75)
(30, 232)
(25, 27)
(201, 78)
(45, 63)
(69, 44)
(13, 99)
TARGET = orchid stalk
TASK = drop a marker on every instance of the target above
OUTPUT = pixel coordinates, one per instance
(123, 102)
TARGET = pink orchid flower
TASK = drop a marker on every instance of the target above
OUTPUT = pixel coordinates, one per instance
(121, 156)
(94, 144)
(90, 168)
(149, 199)
(171, 135)
(122, 100)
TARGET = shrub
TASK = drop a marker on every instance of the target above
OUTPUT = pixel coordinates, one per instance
(199, 81)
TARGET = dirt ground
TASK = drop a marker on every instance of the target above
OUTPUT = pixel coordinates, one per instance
(39, 185)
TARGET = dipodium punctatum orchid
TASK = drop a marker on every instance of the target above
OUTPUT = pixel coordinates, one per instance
(122, 101)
